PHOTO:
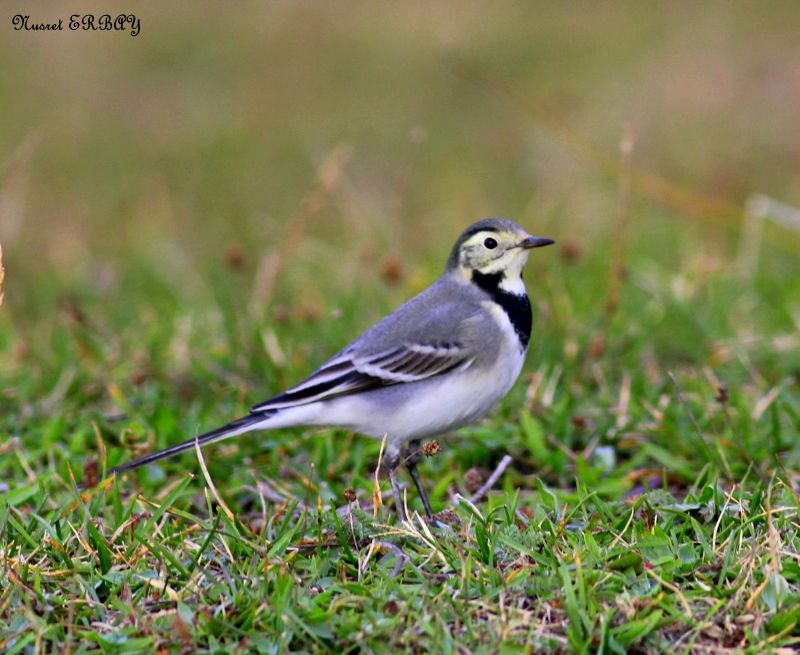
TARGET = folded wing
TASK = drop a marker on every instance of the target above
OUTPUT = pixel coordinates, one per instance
(351, 372)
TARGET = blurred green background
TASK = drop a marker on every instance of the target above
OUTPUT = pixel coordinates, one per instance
(224, 200)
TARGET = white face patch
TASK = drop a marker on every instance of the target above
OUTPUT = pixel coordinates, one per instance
(506, 258)
(477, 255)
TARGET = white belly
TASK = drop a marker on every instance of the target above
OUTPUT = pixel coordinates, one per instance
(452, 402)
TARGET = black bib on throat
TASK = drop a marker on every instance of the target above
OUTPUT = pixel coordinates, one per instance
(517, 308)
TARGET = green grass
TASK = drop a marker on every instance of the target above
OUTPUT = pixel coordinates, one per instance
(216, 210)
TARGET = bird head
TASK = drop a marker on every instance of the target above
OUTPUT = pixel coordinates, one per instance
(493, 246)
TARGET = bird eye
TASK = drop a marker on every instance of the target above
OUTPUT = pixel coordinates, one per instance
(490, 243)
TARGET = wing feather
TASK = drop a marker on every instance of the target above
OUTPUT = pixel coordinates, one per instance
(350, 372)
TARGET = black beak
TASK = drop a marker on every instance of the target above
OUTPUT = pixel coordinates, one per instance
(535, 242)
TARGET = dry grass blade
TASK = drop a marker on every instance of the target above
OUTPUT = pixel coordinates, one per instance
(377, 499)
(687, 409)
(210, 482)
(685, 200)
(772, 547)
(329, 173)
(617, 270)
(2, 273)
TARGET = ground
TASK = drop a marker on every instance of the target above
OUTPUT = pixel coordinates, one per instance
(195, 217)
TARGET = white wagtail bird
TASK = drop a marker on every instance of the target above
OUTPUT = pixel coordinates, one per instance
(437, 363)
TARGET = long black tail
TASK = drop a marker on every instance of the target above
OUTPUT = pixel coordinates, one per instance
(233, 428)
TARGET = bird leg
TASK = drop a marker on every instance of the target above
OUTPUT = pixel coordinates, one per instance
(398, 494)
(391, 461)
(411, 460)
